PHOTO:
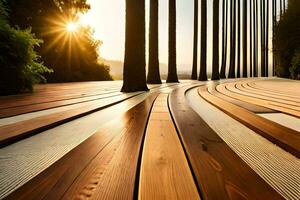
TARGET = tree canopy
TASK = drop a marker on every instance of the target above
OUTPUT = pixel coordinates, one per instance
(20, 65)
(287, 42)
(72, 55)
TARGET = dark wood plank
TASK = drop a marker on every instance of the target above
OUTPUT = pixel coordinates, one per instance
(284, 137)
(13, 132)
(104, 166)
(219, 172)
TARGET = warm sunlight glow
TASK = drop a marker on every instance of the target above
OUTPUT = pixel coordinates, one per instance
(72, 27)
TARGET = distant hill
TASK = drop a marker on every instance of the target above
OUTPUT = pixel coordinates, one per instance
(116, 70)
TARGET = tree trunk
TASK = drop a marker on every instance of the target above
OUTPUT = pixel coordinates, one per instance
(215, 70)
(224, 38)
(172, 71)
(274, 5)
(233, 39)
(280, 8)
(263, 44)
(239, 40)
(267, 39)
(153, 73)
(255, 18)
(203, 61)
(195, 51)
(245, 36)
(134, 75)
(251, 38)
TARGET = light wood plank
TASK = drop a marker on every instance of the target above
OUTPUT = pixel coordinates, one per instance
(165, 173)
(286, 138)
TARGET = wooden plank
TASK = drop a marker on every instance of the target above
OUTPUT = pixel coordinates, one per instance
(102, 166)
(219, 172)
(249, 85)
(13, 132)
(243, 104)
(10, 112)
(272, 105)
(283, 86)
(265, 96)
(284, 137)
(165, 173)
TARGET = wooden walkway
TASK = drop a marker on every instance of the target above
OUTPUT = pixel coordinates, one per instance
(150, 145)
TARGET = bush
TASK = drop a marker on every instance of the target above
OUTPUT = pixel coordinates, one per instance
(287, 40)
(295, 68)
(20, 66)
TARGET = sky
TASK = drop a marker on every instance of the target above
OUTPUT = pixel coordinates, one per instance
(107, 18)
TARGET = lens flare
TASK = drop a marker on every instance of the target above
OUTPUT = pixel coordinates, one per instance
(72, 27)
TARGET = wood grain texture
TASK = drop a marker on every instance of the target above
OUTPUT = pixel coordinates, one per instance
(165, 173)
(265, 96)
(251, 107)
(281, 86)
(288, 109)
(102, 166)
(22, 109)
(248, 85)
(284, 137)
(219, 172)
(16, 131)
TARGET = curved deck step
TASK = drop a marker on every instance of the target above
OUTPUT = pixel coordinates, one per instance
(288, 109)
(165, 173)
(284, 137)
(266, 96)
(251, 107)
(219, 172)
(103, 167)
(287, 97)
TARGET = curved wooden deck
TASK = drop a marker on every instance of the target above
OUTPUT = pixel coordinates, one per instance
(152, 145)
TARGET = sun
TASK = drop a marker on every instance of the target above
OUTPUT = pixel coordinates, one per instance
(71, 27)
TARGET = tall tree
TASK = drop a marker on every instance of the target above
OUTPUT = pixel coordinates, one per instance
(134, 75)
(239, 39)
(255, 54)
(224, 38)
(280, 8)
(274, 5)
(263, 37)
(215, 67)
(251, 37)
(195, 50)
(172, 71)
(267, 39)
(232, 39)
(153, 69)
(203, 61)
(245, 37)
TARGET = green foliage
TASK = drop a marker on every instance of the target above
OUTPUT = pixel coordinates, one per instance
(72, 56)
(20, 66)
(287, 40)
(295, 68)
